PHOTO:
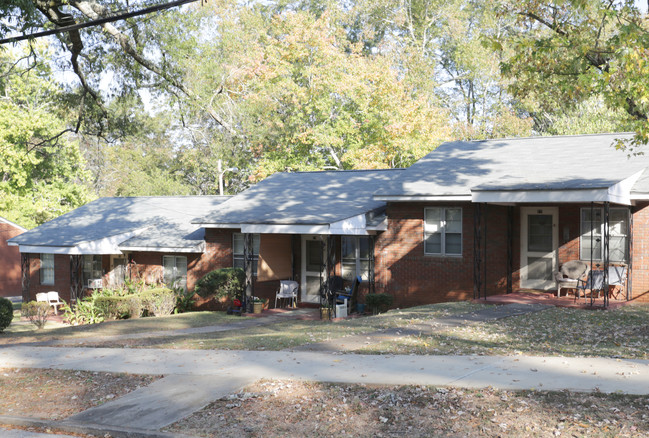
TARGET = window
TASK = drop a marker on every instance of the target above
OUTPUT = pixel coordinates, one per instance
(237, 250)
(47, 269)
(443, 231)
(175, 271)
(618, 233)
(356, 257)
(91, 268)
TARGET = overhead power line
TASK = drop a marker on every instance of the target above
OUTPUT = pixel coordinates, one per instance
(99, 21)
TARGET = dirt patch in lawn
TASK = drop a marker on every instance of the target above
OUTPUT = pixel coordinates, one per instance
(292, 408)
(57, 394)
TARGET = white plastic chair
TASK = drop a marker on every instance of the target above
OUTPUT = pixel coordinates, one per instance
(54, 300)
(287, 290)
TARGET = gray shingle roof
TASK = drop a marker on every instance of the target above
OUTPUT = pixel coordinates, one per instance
(305, 198)
(166, 221)
(537, 163)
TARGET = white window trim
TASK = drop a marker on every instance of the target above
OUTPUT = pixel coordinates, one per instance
(240, 256)
(357, 258)
(443, 232)
(42, 270)
(175, 270)
(586, 257)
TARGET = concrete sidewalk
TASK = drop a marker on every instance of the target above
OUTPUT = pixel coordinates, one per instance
(195, 378)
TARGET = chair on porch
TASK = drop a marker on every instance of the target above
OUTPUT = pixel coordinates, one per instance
(569, 275)
(593, 282)
(287, 290)
(617, 277)
(52, 298)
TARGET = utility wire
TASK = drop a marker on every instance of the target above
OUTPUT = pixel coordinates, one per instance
(108, 19)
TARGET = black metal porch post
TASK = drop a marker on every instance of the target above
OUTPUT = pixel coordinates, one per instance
(477, 240)
(247, 267)
(629, 274)
(76, 286)
(606, 250)
(372, 262)
(510, 249)
(25, 269)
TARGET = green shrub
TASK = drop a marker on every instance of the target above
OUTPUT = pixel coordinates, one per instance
(159, 301)
(226, 282)
(379, 303)
(83, 312)
(37, 312)
(135, 306)
(6, 313)
(113, 306)
(184, 300)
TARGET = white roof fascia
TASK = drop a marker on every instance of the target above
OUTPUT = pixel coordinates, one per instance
(620, 193)
(13, 224)
(194, 249)
(639, 196)
(105, 246)
(202, 225)
(352, 226)
(379, 227)
(284, 229)
(414, 198)
(538, 196)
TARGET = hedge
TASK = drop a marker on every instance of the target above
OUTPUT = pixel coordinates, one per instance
(226, 282)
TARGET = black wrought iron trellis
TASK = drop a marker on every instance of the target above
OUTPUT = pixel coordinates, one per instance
(25, 263)
(248, 257)
(477, 243)
(629, 248)
(510, 248)
(606, 249)
(76, 279)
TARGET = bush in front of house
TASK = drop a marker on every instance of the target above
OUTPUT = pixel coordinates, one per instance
(222, 283)
(37, 312)
(159, 301)
(119, 307)
(6, 313)
(379, 303)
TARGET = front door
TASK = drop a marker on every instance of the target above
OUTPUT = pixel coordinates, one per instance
(313, 254)
(539, 243)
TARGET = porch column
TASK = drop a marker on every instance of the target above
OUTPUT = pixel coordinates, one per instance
(477, 250)
(372, 262)
(247, 267)
(25, 269)
(606, 249)
(76, 286)
(629, 274)
(510, 249)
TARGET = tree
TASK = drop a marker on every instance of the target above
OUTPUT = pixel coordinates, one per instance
(41, 171)
(573, 51)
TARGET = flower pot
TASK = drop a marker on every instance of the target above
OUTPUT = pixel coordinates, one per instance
(257, 307)
(360, 308)
(325, 313)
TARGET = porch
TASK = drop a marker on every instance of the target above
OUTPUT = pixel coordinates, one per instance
(550, 298)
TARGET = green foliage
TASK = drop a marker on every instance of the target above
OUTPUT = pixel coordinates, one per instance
(37, 312)
(184, 300)
(159, 301)
(6, 313)
(114, 307)
(85, 311)
(379, 303)
(222, 283)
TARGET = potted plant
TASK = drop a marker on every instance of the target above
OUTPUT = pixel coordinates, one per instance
(325, 310)
(257, 304)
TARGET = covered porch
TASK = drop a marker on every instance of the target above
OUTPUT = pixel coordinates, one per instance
(546, 227)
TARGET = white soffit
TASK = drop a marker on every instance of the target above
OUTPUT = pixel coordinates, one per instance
(105, 246)
(413, 198)
(284, 229)
(194, 249)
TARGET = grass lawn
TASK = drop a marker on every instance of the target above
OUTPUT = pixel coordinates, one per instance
(623, 332)
(20, 331)
(294, 333)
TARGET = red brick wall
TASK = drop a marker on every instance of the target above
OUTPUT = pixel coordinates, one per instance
(640, 252)
(413, 278)
(10, 274)
(61, 276)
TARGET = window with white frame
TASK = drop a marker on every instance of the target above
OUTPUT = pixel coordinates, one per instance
(47, 269)
(175, 271)
(91, 268)
(356, 255)
(592, 225)
(443, 231)
(237, 252)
